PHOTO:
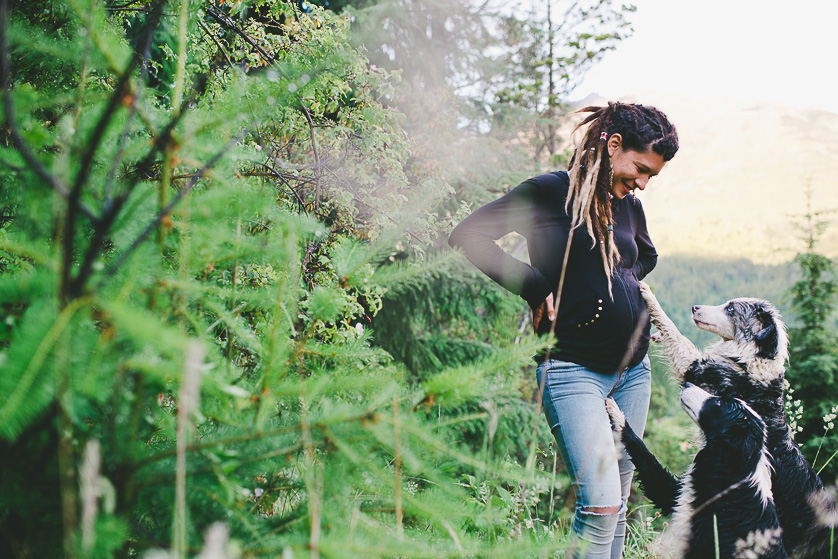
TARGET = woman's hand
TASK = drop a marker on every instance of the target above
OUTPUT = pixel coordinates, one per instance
(548, 308)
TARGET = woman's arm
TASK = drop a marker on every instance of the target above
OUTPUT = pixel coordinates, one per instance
(647, 256)
(476, 236)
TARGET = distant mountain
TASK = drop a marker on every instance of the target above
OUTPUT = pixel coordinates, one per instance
(591, 99)
(740, 178)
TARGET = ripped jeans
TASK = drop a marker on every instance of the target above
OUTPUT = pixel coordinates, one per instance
(573, 403)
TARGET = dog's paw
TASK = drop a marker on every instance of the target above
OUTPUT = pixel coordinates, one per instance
(657, 337)
(615, 414)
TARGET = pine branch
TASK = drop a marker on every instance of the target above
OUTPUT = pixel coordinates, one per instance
(397, 277)
(256, 436)
(283, 452)
(14, 131)
(71, 289)
(146, 55)
(113, 268)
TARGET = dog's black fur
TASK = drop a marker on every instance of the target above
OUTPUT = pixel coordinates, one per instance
(749, 363)
(794, 482)
(725, 493)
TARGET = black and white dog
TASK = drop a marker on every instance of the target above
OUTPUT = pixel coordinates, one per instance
(723, 503)
(725, 496)
(749, 363)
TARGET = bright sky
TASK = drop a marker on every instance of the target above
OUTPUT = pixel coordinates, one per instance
(760, 50)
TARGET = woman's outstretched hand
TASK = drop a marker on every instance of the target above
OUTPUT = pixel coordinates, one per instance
(548, 308)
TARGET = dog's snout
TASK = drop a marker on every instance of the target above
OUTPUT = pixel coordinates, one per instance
(695, 309)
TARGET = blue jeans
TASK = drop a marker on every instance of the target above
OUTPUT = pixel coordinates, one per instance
(573, 403)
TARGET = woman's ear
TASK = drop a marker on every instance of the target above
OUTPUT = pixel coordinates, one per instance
(614, 143)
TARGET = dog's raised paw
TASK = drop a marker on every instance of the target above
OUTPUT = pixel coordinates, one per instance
(615, 414)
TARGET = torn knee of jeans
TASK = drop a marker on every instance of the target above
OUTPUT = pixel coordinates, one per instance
(602, 511)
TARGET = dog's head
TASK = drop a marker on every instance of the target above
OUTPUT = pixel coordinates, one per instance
(722, 416)
(748, 321)
(734, 430)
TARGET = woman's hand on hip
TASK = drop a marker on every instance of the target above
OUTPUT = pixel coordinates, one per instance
(548, 308)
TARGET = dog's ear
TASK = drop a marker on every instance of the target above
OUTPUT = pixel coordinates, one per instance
(767, 341)
(747, 446)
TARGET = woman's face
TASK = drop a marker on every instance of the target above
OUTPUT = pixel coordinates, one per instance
(632, 169)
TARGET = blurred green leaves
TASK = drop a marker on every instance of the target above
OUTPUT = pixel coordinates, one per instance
(268, 217)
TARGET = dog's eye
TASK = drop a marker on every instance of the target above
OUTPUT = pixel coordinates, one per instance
(729, 309)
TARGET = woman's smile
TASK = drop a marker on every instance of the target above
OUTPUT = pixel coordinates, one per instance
(632, 169)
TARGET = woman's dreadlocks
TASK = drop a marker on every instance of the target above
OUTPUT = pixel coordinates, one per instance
(591, 174)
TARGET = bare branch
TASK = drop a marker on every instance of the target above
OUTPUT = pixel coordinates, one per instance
(316, 156)
(224, 20)
(282, 177)
(215, 40)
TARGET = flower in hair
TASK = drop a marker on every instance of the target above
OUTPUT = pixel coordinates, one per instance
(603, 136)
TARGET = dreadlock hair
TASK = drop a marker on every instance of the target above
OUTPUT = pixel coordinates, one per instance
(588, 201)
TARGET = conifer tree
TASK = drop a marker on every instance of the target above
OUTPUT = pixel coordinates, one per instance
(185, 359)
(813, 353)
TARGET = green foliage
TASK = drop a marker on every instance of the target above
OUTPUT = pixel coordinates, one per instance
(203, 217)
(453, 318)
(814, 295)
(813, 348)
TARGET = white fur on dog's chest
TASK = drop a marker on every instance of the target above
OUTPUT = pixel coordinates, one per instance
(674, 541)
(736, 353)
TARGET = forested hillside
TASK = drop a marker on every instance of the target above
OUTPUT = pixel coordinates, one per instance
(684, 281)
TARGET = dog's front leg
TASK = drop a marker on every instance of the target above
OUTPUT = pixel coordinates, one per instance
(658, 483)
(681, 351)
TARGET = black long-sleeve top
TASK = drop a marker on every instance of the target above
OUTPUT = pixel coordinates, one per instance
(592, 329)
